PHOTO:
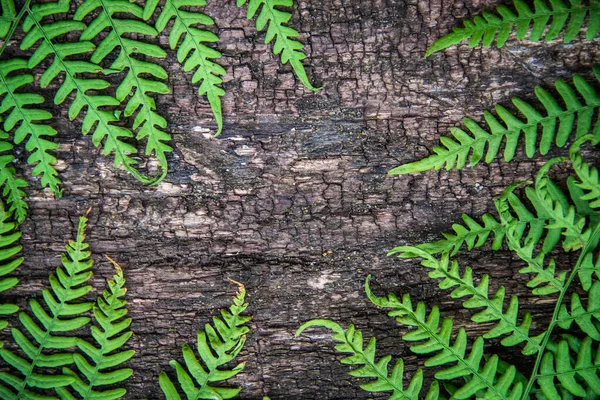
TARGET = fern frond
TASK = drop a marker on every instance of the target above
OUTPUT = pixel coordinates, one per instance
(289, 48)
(586, 318)
(13, 186)
(548, 199)
(480, 297)
(110, 333)
(7, 18)
(557, 370)
(136, 82)
(57, 315)
(351, 342)
(546, 281)
(217, 345)
(31, 123)
(556, 127)
(96, 117)
(192, 51)
(499, 25)
(479, 374)
(9, 260)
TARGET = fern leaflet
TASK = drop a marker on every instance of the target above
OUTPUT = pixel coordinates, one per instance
(147, 120)
(290, 49)
(585, 318)
(97, 118)
(351, 342)
(8, 17)
(217, 346)
(485, 28)
(30, 121)
(13, 186)
(589, 180)
(193, 52)
(487, 377)
(110, 334)
(558, 367)
(9, 261)
(556, 126)
(68, 285)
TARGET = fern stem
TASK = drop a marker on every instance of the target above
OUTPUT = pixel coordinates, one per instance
(590, 245)
(90, 105)
(15, 21)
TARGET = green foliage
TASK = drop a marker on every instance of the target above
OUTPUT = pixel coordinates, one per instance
(556, 128)
(31, 123)
(76, 52)
(110, 334)
(193, 52)
(43, 343)
(499, 25)
(217, 346)
(135, 84)
(9, 260)
(13, 187)
(274, 20)
(351, 342)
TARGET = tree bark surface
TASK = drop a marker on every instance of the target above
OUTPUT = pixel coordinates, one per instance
(293, 199)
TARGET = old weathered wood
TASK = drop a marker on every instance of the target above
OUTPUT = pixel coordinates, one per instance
(293, 198)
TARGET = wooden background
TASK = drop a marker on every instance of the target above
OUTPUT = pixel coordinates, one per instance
(293, 199)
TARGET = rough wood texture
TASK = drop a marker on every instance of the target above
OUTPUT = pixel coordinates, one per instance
(293, 199)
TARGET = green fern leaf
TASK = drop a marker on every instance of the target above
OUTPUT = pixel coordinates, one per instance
(13, 186)
(435, 340)
(192, 51)
(556, 127)
(9, 260)
(586, 318)
(135, 85)
(217, 346)
(9, 14)
(351, 342)
(546, 281)
(499, 25)
(589, 181)
(97, 118)
(109, 314)
(60, 314)
(480, 297)
(471, 233)
(28, 121)
(290, 49)
(556, 369)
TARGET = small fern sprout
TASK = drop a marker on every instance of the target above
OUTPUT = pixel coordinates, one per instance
(275, 21)
(568, 16)
(218, 345)
(44, 337)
